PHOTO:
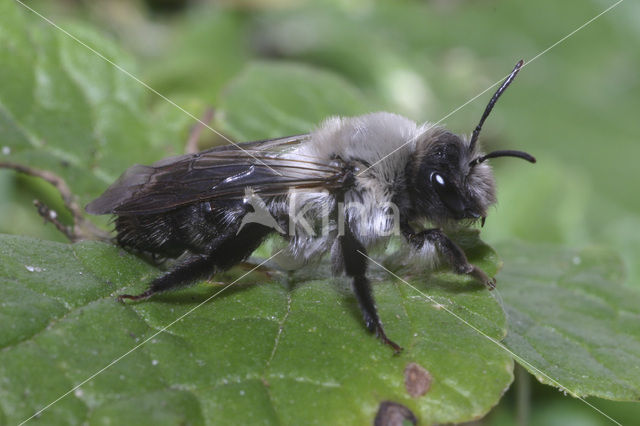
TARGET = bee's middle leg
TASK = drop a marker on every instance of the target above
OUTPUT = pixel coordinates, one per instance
(355, 266)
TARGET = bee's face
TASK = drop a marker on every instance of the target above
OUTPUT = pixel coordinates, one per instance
(446, 186)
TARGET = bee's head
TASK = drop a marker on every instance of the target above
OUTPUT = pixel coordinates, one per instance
(449, 176)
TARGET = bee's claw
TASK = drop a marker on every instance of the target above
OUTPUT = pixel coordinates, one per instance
(481, 276)
(397, 349)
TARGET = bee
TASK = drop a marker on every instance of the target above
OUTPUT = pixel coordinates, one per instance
(341, 189)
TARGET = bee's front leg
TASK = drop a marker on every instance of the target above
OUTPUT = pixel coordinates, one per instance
(450, 251)
(355, 266)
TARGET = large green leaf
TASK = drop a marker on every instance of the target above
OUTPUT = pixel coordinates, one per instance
(260, 350)
(560, 206)
(273, 349)
(207, 49)
(271, 100)
(570, 317)
(65, 109)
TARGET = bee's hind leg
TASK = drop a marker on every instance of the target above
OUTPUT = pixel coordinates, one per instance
(193, 268)
(355, 266)
(227, 251)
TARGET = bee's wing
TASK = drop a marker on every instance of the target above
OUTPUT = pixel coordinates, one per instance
(268, 167)
(277, 144)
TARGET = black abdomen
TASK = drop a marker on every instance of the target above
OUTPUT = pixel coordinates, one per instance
(195, 228)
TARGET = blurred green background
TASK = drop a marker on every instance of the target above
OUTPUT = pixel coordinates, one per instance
(575, 107)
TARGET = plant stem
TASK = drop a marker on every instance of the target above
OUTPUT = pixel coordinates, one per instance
(523, 395)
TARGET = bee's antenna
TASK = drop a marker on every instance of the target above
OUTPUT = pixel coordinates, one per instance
(503, 153)
(492, 102)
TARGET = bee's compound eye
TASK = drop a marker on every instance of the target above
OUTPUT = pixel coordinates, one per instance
(447, 193)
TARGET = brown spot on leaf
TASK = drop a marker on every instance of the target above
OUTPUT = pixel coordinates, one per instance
(393, 414)
(417, 380)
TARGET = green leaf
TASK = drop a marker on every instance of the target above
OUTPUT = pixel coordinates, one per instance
(66, 110)
(560, 207)
(271, 100)
(261, 350)
(570, 317)
(205, 50)
(270, 349)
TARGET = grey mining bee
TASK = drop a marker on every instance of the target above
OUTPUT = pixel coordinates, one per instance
(196, 206)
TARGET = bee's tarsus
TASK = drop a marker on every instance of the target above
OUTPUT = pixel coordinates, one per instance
(144, 295)
(397, 349)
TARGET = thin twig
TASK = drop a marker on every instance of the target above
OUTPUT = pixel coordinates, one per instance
(50, 215)
(82, 228)
(191, 147)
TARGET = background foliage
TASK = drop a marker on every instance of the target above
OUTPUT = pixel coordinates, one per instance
(574, 108)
